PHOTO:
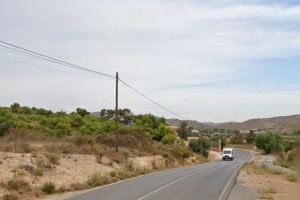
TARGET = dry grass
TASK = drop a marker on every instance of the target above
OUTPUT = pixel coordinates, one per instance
(292, 178)
(18, 146)
(53, 158)
(258, 170)
(97, 180)
(48, 152)
(11, 196)
(18, 184)
(267, 193)
(99, 152)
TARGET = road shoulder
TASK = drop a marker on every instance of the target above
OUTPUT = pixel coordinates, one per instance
(243, 191)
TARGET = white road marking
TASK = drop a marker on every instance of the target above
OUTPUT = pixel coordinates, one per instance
(227, 185)
(171, 183)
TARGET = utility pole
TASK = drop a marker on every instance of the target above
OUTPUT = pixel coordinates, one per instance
(117, 112)
(201, 139)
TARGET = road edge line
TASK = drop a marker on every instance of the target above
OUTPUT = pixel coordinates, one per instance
(231, 183)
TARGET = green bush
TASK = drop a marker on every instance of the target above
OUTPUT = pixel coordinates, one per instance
(162, 131)
(169, 139)
(62, 128)
(89, 128)
(270, 142)
(180, 151)
(48, 187)
(76, 121)
(200, 145)
(4, 128)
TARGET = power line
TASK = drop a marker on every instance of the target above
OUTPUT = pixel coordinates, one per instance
(151, 100)
(47, 68)
(50, 59)
(28, 52)
(25, 51)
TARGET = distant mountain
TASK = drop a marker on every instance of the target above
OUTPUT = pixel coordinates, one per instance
(282, 124)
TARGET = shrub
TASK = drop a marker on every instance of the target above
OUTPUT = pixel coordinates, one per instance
(17, 184)
(180, 152)
(76, 121)
(10, 197)
(89, 128)
(99, 152)
(53, 158)
(96, 180)
(161, 132)
(270, 142)
(169, 139)
(292, 178)
(62, 128)
(48, 187)
(4, 128)
(182, 130)
(129, 166)
(200, 145)
(80, 139)
(21, 146)
(113, 173)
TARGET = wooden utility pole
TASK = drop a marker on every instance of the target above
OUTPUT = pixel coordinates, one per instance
(117, 112)
(201, 139)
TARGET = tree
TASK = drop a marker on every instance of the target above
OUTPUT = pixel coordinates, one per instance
(182, 130)
(81, 111)
(159, 133)
(15, 107)
(238, 138)
(4, 128)
(250, 137)
(42, 111)
(200, 145)
(76, 121)
(270, 142)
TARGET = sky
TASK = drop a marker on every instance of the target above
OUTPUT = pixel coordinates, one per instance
(217, 60)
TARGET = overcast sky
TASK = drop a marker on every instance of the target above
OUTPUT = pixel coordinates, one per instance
(225, 60)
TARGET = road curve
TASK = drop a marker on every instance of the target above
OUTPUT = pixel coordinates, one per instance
(198, 182)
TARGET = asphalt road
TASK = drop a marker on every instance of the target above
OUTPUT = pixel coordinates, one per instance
(199, 182)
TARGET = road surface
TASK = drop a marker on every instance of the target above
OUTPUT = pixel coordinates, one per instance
(200, 182)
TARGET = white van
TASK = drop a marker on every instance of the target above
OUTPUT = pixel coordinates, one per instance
(228, 154)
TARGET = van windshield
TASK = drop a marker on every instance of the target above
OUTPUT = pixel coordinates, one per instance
(227, 152)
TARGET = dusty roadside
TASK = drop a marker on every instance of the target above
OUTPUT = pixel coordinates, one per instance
(258, 182)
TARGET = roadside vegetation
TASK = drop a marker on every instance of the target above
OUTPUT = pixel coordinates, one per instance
(270, 184)
(55, 143)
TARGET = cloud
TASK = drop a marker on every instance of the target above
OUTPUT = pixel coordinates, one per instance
(197, 43)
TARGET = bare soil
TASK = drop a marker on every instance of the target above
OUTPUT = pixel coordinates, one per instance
(268, 184)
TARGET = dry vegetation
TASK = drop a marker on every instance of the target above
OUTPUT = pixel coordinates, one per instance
(32, 166)
(271, 185)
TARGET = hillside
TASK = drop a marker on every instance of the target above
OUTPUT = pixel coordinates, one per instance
(44, 152)
(282, 124)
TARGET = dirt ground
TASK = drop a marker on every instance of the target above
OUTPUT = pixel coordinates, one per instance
(70, 168)
(268, 184)
(214, 155)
